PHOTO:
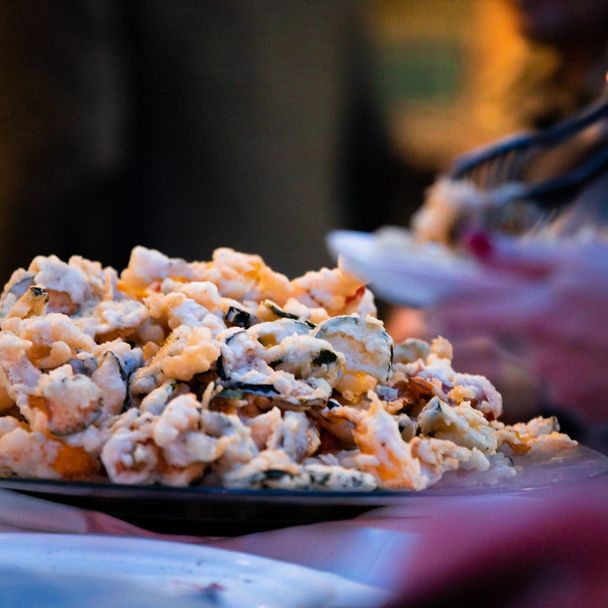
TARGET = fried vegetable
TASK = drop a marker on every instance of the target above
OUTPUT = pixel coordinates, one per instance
(306, 358)
(325, 357)
(239, 390)
(279, 312)
(364, 342)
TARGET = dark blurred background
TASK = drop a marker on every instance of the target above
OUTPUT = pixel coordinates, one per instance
(260, 125)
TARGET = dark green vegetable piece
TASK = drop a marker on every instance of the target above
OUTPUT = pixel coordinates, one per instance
(325, 357)
(219, 366)
(279, 312)
(38, 291)
(272, 474)
(238, 390)
(238, 317)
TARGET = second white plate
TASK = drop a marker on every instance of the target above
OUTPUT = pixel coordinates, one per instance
(103, 571)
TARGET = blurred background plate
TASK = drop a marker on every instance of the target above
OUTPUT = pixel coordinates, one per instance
(231, 512)
(403, 271)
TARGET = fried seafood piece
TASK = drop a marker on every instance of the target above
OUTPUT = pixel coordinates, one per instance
(176, 445)
(34, 454)
(31, 304)
(27, 454)
(188, 434)
(337, 291)
(339, 430)
(101, 281)
(186, 352)
(461, 424)
(81, 280)
(89, 388)
(273, 469)
(225, 311)
(18, 376)
(147, 266)
(62, 402)
(178, 432)
(112, 379)
(480, 392)
(539, 436)
(306, 357)
(111, 366)
(70, 287)
(176, 309)
(269, 469)
(436, 370)
(130, 455)
(335, 477)
(298, 371)
(54, 338)
(242, 276)
(439, 456)
(263, 426)
(411, 350)
(111, 319)
(238, 444)
(68, 283)
(367, 349)
(156, 401)
(204, 293)
(8, 424)
(384, 454)
(14, 289)
(295, 436)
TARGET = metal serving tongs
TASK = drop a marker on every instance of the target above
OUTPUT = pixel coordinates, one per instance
(547, 168)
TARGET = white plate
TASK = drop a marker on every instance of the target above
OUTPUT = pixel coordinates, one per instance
(403, 271)
(105, 571)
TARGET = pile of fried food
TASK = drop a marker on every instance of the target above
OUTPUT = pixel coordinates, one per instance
(226, 373)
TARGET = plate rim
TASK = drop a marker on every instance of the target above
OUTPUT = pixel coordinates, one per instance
(103, 488)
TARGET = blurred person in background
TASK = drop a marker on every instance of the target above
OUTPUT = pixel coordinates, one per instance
(554, 307)
(184, 126)
(574, 34)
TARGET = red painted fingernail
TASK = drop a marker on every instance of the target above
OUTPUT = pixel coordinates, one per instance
(479, 244)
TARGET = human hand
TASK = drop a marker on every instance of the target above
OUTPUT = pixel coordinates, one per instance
(553, 304)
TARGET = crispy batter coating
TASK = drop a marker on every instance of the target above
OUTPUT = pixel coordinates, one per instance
(226, 372)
